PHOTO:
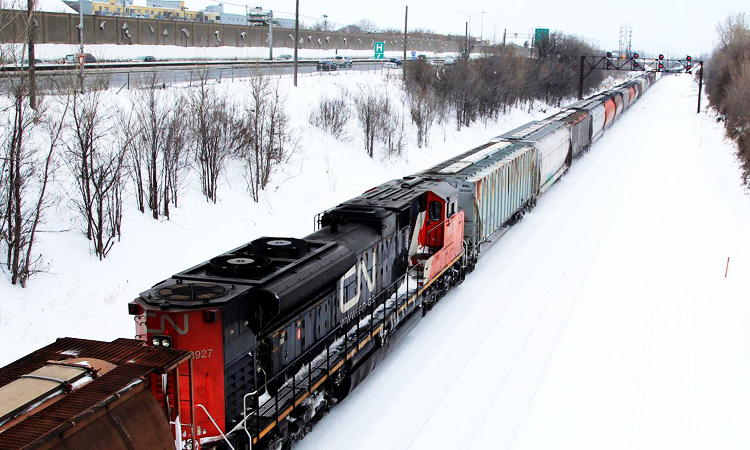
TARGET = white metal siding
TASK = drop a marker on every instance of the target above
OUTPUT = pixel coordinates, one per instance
(506, 186)
(552, 150)
(597, 122)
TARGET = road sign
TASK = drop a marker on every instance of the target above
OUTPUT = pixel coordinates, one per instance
(541, 35)
(380, 50)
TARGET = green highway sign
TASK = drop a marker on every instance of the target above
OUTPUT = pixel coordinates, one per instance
(541, 35)
(380, 50)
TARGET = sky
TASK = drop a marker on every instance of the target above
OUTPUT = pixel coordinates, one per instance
(658, 27)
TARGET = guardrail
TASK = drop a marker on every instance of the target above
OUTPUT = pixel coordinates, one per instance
(48, 67)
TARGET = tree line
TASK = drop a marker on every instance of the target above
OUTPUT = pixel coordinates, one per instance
(728, 84)
(471, 90)
(109, 148)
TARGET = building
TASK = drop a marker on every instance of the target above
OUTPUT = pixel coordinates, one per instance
(154, 9)
(225, 17)
(283, 23)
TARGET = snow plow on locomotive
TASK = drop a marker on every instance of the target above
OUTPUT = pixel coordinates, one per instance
(282, 328)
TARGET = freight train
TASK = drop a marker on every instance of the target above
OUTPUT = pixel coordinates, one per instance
(281, 329)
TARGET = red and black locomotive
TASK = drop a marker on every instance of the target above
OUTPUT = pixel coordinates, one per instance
(281, 328)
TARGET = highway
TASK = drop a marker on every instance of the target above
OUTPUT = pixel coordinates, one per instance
(129, 75)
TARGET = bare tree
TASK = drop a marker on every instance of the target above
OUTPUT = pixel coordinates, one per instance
(332, 115)
(262, 136)
(390, 122)
(157, 157)
(212, 138)
(96, 160)
(728, 84)
(367, 26)
(367, 103)
(425, 107)
(733, 29)
(28, 141)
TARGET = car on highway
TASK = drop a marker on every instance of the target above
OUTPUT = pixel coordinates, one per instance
(145, 58)
(73, 59)
(284, 58)
(390, 65)
(342, 61)
(326, 65)
(396, 61)
(449, 61)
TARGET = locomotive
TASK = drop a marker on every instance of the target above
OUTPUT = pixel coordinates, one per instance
(258, 316)
(281, 329)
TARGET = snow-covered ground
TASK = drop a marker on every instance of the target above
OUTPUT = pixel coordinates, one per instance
(113, 52)
(80, 296)
(604, 320)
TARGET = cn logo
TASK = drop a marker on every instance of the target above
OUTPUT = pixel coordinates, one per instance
(347, 304)
(163, 319)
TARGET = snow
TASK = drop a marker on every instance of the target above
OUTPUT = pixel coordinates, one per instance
(56, 6)
(602, 320)
(114, 52)
(80, 296)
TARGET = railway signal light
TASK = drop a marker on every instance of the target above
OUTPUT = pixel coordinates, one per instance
(689, 58)
(636, 56)
(661, 67)
(688, 67)
(609, 54)
(661, 56)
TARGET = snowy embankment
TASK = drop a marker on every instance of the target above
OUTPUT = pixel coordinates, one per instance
(604, 320)
(113, 52)
(80, 296)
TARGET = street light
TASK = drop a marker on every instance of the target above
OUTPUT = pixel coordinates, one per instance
(468, 27)
(469, 16)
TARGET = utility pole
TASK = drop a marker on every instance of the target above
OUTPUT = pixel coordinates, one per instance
(32, 67)
(270, 35)
(80, 37)
(481, 28)
(406, 21)
(466, 50)
(325, 22)
(531, 47)
(505, 32)
(700, 90)
(296, 40)
(580, 79)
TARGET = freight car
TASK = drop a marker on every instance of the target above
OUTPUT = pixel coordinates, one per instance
(82, 394)
(280, 329)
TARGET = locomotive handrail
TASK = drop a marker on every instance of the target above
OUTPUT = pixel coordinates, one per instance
(244, 418)
(291, 402)
(214, 422)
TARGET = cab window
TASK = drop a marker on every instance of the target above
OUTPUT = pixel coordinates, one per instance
(435, 211)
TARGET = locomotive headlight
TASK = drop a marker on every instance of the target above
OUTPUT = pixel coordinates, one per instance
(161, 341)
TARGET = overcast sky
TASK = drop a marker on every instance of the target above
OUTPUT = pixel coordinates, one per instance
(658, 27)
